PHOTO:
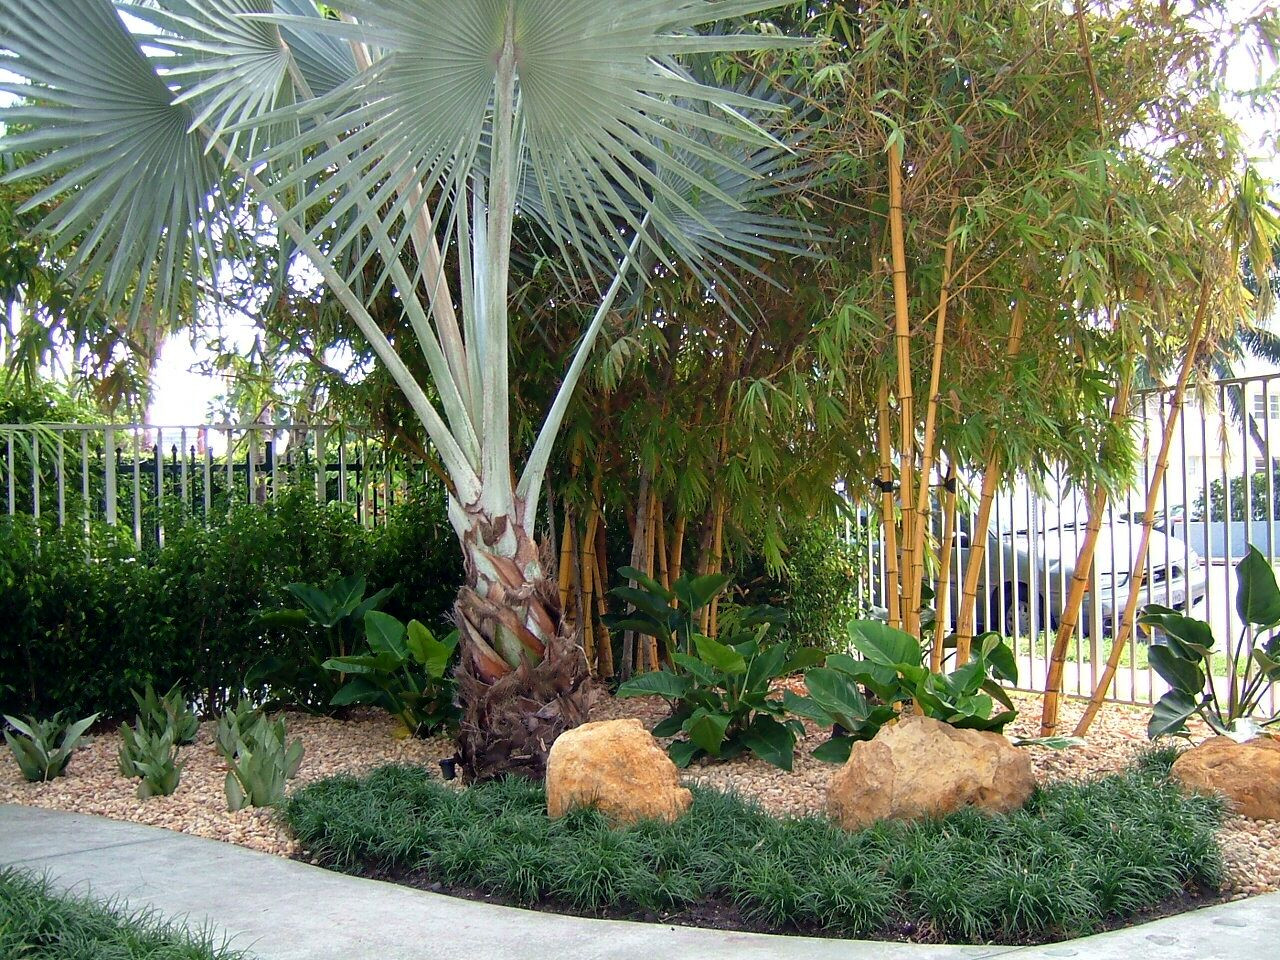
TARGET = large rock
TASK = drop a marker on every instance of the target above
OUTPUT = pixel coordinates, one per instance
(921, 767)
(1247, 774)
(617, 767)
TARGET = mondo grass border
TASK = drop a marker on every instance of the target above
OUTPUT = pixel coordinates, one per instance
(1078, 858)
(39, 923)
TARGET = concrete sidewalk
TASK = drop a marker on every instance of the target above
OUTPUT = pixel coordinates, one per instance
(282, 910)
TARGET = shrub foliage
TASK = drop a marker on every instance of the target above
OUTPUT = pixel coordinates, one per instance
(86, 620)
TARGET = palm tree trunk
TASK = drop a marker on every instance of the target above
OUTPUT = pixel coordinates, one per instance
(522, 677)
(1137, 575)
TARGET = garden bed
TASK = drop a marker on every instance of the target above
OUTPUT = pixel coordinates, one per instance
(1251, 848)
(1077, 858)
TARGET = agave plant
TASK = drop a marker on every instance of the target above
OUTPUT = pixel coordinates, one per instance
(412, 135)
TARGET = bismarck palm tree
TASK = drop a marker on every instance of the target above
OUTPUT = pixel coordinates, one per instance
(413, 133)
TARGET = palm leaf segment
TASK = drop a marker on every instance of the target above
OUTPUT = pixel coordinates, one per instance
(405, 122)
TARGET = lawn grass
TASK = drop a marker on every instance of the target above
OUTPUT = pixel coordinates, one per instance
(38, 923)
(1077, 858)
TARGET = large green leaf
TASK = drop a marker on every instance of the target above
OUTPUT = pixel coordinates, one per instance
(696, 592)
(707, 729)
(659, 683)
(695, 668)
(837, 694)
(682, 752)
(719, 655)
(1170, 714)
(1195, 635)
(883, 644)
(879, 679)
(1257, 596)
(771, 741)
(998, 655)
(433, 654)
(806, 707)
(385, 633)
(646, 581)
(1180, 673)
(835, 750)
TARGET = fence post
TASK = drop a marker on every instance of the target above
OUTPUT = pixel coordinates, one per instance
(109, 456)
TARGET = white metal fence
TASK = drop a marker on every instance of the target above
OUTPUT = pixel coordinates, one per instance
(143, 476)
(1221, 492)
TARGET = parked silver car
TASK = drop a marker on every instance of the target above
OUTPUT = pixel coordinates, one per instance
(1027, 575)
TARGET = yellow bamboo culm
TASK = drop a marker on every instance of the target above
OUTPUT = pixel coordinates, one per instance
(566, 560)
(604, 643)
(677, 548)
(1079, 582)
(944, 567)
(1138, 573)
(663, 575)
(889, 522)
(717, 560)
(906, 397)
(588, 563)
(978, 535)
(651, 643)
(930, 426)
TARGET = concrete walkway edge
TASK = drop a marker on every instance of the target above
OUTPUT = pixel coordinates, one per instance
(282, 910)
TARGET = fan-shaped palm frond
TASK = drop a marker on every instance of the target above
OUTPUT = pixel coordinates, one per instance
(423, 127)
(135, 185)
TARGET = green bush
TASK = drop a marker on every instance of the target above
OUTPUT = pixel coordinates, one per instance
(818, 590)
(86, 620)
(37, 922)
(1078, 856)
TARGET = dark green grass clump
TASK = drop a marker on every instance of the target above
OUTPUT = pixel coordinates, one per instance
(1077, 857)
(37, 923)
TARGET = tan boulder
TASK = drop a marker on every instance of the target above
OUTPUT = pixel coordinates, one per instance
(1247, 774)
(921, 767)
(617, 767)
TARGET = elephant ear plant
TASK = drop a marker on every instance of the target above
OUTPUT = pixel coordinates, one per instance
(892, 671)
(403, 671)
(327, 625)
(1183, 652)
(720, 690)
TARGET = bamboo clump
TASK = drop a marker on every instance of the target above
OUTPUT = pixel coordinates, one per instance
(1137, 574)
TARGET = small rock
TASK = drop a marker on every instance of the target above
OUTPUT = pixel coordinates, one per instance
(1247, 774)
(617, 767)
(921, 767)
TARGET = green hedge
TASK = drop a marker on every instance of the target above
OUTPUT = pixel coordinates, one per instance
(85, 620)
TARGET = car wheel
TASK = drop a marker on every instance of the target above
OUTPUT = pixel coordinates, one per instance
(1016, 606)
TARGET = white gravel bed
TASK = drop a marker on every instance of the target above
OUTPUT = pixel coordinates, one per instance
(366, 740)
